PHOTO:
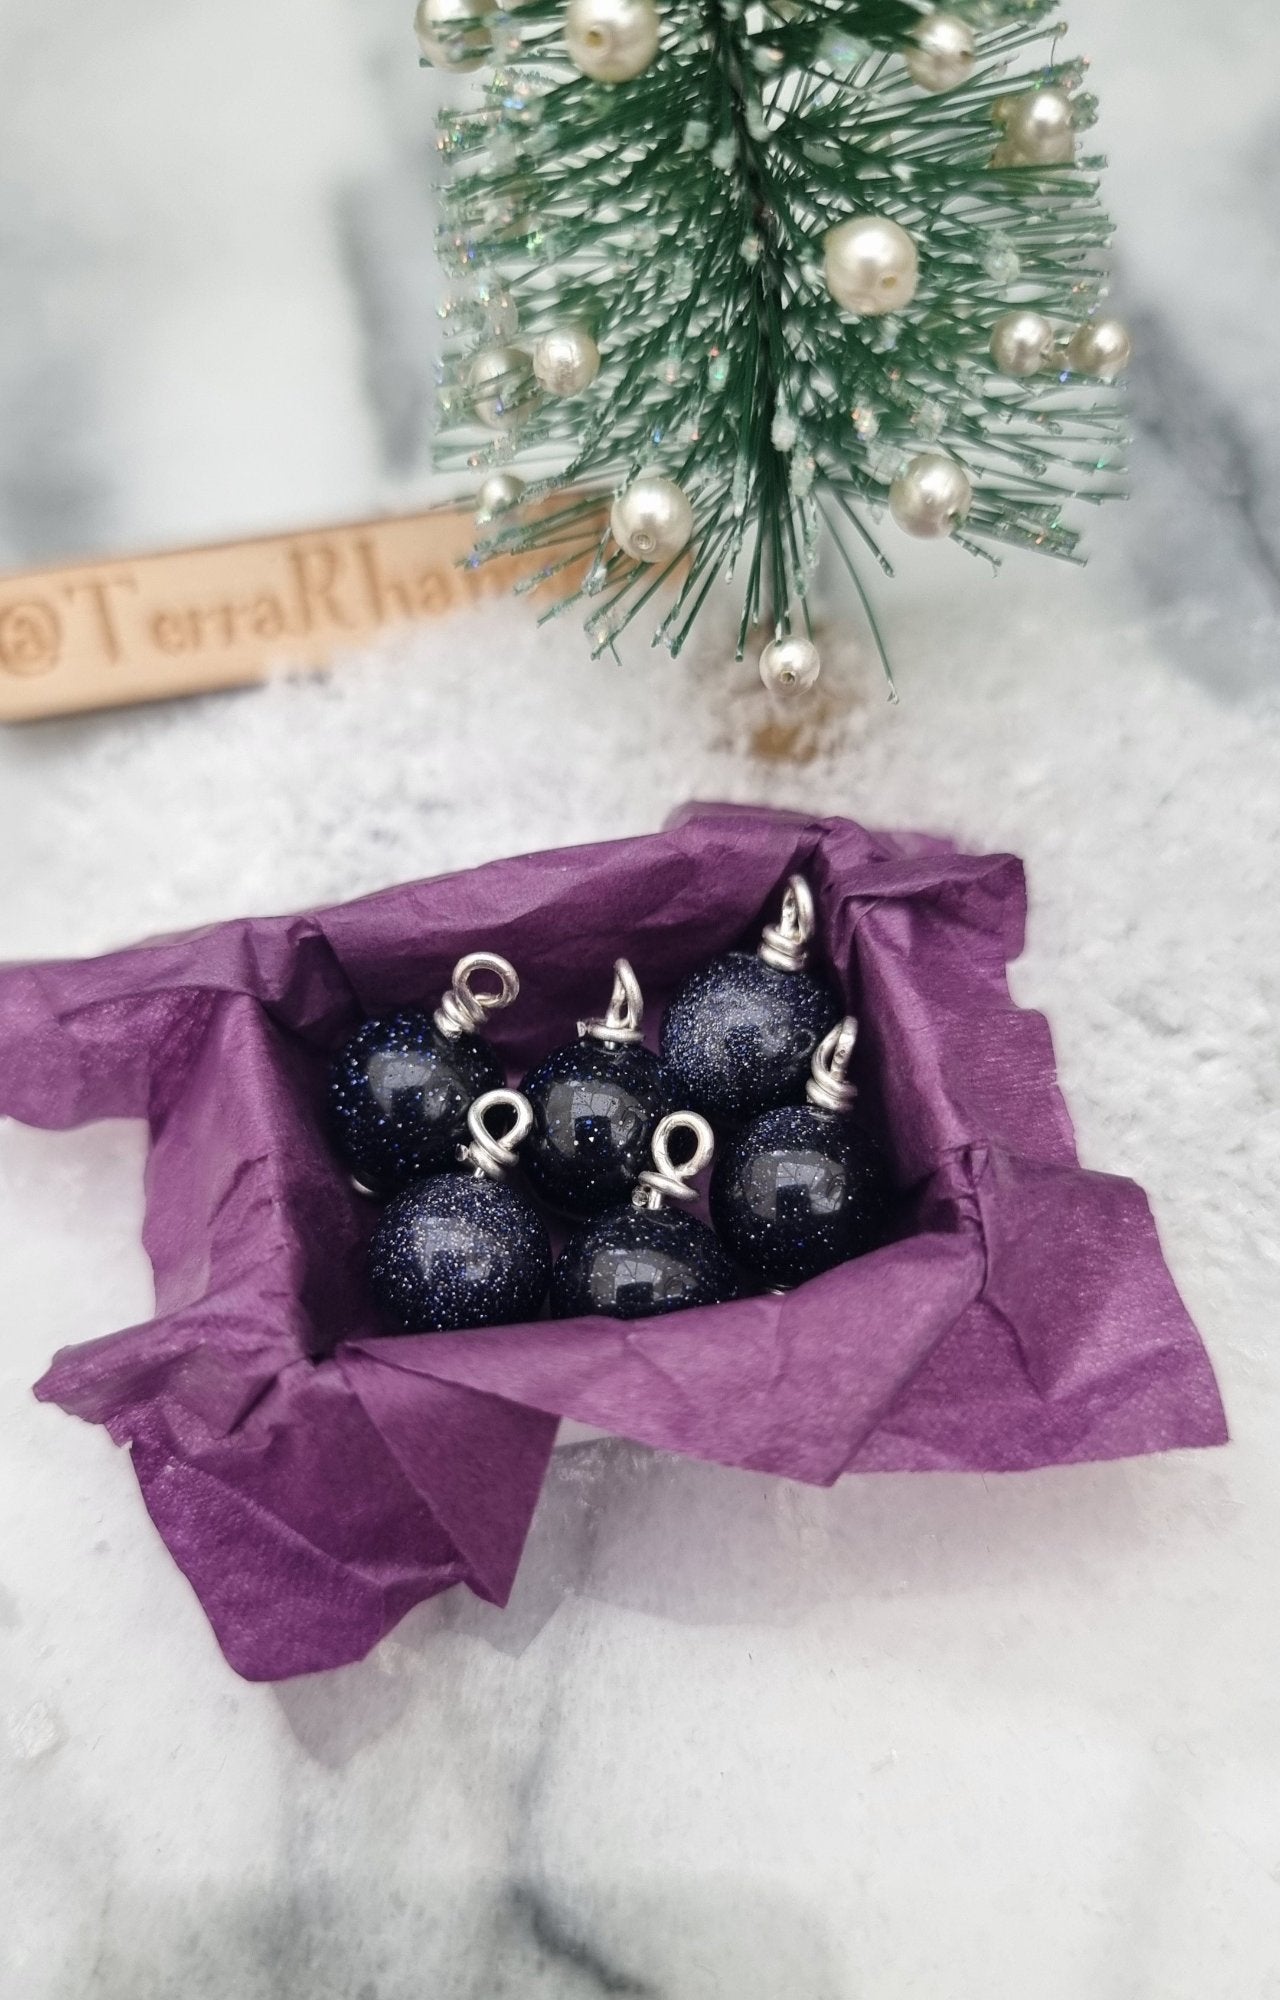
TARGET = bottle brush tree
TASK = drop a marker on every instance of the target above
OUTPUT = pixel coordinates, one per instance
(731, 284)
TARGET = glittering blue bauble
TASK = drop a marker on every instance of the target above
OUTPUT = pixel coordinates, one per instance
(457, 1250)
(800, 1190)
(635, 1263)
(595, 1105)
(398, 1098)
(739, 1036)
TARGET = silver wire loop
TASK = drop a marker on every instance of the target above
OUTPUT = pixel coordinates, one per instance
(462, 1010)
(624, 1021)
(489, 1155)
(828, 1087)
(785, 945)
(664, 1180)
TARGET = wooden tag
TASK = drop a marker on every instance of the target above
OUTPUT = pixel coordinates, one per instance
(101, 634)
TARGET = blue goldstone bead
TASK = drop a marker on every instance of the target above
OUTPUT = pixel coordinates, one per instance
(800, 1190)
(595, 1105)
(399, 1092)
(739, 1036)
(635, 1263)
(457, 1250)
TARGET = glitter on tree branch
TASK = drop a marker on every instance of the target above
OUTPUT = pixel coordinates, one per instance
(751, 276)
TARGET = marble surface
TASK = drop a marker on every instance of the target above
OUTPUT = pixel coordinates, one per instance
(938, 1737)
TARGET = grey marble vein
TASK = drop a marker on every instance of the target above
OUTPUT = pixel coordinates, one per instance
(381, 226)
(579, 1963)
(1204, 537)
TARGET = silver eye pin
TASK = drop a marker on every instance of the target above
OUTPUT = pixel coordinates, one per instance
(785, 945)
(490, 1155)
(462, 1011)
(624, 1019)
(664, 1180)
(828, 1087)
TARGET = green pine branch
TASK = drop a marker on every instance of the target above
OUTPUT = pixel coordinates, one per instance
(680, 217)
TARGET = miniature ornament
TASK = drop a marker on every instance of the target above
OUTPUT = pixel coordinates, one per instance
(1101, 347)
(503, 391)
(464, 1248)
(1022, 343)
(499, 494)
(651, 519)
(790, 666)
(452, 33)
(400, 1088)
(871, 265)
(944, 52)
(802, 1188)
(930, 496)
(646, 1259)
(611, 41)
(595, 1104)
(1039, 129)
(739, 1035)
(566, 361)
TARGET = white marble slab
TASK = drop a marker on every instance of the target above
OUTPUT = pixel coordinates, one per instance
(936, 1736)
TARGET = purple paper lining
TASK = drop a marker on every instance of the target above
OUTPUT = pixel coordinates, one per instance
(315, 1482)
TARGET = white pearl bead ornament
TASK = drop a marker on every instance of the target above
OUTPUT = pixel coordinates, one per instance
(452, 34)
(1039, 129)
(566, 361)
(652, 519)
(941, 52)
(502, 387)
(790, 666)
(1101, 347)
(871, 265)
(930, 496)
(1022, 343)
(498, 494)
(611, 41)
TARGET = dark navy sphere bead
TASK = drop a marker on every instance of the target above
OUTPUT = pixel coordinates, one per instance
(595, 1105)
(637, 1263)
(398, 1098)
(457, 1251)
(739, 1036)
(799, 1191)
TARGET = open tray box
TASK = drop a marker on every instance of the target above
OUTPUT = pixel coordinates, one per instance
(315, 1481)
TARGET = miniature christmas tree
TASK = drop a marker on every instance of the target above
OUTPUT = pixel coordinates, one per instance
(746, 276)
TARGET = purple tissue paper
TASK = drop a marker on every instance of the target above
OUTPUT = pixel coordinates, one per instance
(315, 1481)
